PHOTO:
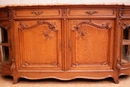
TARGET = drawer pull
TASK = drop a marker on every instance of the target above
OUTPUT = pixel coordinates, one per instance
(37, 13)
(91, 12)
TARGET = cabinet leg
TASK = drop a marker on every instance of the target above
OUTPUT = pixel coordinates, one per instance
(116, 80)
(15, 79)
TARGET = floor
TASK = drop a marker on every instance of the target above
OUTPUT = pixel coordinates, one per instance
(7, 82)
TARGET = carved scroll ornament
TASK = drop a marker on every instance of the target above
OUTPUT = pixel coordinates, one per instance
(118, 66)
(51, 27)
(37, 13)
(5, 26)
(13, 65)
(126, 25)
(77, 27)
(91, 12)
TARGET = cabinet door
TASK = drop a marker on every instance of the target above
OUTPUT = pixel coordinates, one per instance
(125, 42)
(39, 45)
(125, 36)
(5, 48)
(90, 44)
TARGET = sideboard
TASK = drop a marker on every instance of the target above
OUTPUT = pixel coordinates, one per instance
(65, 41)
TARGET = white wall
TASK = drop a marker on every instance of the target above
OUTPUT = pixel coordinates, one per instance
(30, 2)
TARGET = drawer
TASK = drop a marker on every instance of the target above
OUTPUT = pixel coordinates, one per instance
(37, 12)
(4, 14)
(125, 12)
(90, 12)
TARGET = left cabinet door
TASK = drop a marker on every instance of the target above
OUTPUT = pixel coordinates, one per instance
(38, 45)
(5, 48)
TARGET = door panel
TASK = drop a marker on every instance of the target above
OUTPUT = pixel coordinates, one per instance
(40, 44)
(90, 42)
(125, 56)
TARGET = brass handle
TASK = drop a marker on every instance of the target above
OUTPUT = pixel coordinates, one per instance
(37, 13)
(91, 12)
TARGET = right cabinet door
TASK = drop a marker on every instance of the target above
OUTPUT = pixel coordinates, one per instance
(125, 42)
(90, 44)
(125, 38)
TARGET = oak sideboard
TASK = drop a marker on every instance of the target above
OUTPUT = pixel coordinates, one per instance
(65, 41)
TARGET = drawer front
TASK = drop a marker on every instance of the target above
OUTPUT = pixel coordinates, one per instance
(37, 12)
(90, 12)
(4, 14)
(126, 12)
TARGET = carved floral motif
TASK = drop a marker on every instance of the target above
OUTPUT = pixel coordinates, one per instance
(51, 27)
(78, 28)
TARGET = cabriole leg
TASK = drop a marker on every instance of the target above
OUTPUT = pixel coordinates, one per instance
(116, 80)
(15, 79)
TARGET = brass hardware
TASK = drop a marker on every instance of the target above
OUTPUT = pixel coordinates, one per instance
(91, 12)
(37, 13)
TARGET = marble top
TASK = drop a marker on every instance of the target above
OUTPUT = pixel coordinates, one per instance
(62, 4)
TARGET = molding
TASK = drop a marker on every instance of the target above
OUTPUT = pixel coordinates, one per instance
(46, 33)
(52, 64)
(105, 63)
(118, 66)
(91, 12)
(119, 16)
(13, 65)
(77, 27)
(75, 64)
(6, 26)
(78, 64)
(37, 13)
(126, 25)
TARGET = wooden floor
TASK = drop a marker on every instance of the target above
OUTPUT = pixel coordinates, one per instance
(7, 82)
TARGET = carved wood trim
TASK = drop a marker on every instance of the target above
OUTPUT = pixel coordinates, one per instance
(78, 64)
(126, 25)
(37, 13)
(91, 12)
(118, 66)
(120, 16)
(13, 65)
(75, 64)
(77, 27)
(120, 13)
(105, 63)
(53, 64)
(5, 26)
(46, 33)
